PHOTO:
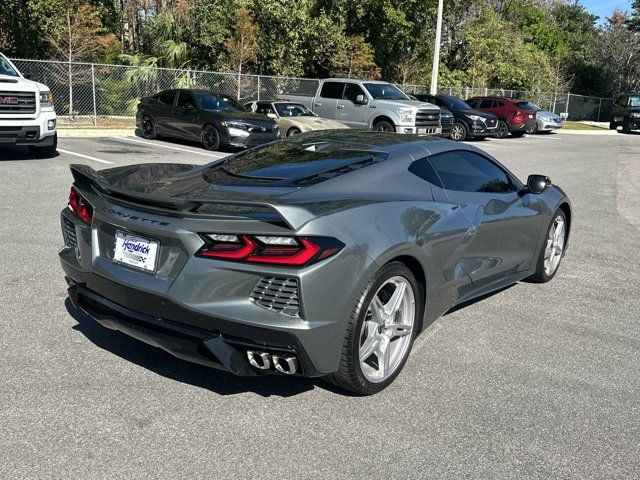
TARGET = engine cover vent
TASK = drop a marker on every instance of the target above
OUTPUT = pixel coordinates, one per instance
(278, 294)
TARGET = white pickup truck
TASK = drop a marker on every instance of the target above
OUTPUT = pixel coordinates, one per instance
(368, 104)
(27, 115)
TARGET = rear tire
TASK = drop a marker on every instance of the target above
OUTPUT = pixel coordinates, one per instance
(363, 329)
(293, 131)
(47, 150)
(459, 132)
(552, 251)
(149, 128)
(210, 138)
(384, 126)
(613, 125)
(502, 130)
(625, 127)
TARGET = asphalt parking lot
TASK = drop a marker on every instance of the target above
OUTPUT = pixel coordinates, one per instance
(538, 381)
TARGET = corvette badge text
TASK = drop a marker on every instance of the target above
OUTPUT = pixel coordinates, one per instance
(135, 217)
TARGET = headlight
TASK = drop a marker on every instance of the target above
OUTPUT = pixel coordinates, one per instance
(238, 125)
(46, 99)
(406, 115)
(474, 118)
(635, 114)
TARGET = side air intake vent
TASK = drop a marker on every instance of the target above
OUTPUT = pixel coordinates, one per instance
(69, 233)
(278, 294)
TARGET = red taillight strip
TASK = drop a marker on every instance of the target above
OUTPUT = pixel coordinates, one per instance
(249, 246)
(80, 206)
(308, 251)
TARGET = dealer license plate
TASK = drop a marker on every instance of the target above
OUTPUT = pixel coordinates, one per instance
(135, 251)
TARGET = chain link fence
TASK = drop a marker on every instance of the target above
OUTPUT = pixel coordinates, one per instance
(98, 95)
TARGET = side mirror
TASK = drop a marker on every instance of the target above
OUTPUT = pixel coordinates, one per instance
(361, 100)
(538, 183)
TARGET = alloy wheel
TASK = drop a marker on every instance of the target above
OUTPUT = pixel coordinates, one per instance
(502, 130)
(457, 132)
(385, 335)
(147, 127)
(555, 246)
(210, 138)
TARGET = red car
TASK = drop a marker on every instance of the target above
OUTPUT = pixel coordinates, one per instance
(512, 116)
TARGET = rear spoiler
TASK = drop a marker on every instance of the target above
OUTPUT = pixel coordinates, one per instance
(293, 216)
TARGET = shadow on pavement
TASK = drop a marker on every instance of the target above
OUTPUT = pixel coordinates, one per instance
(162, 363)
(187, 143)
(13, 152)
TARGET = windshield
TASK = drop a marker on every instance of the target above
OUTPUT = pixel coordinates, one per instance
(211, 101)
(7, 69)
(634, 101)
(293, 110)
(454, 103)
(385, 91)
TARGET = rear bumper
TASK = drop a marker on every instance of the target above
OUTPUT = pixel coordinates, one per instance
(522, 127)
(36, 131)
(152, 319)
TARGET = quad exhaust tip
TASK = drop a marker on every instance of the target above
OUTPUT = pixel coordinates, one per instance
(287, 364)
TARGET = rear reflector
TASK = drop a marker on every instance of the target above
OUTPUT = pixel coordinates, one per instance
(271, 250)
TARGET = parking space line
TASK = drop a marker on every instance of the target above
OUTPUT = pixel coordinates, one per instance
(88, 157)
(153, 144)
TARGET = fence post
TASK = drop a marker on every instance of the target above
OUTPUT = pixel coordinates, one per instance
(466, 92)
(566, 108)
(258, 87)
(599, 108)
(93, 87)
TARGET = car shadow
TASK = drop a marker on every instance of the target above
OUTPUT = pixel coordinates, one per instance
(164, 364)
(468, 303)
(187, 143)
(13, 152)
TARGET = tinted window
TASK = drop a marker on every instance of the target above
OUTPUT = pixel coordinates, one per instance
(470, 172)
(185, 98)
(486, 103)
(6, 68)
(351, 92)
(293, 110)
(424, 170)
(212, 101)
(332, 90)
(454, 103)
(385, 91)
(167, 97)
(473, 103)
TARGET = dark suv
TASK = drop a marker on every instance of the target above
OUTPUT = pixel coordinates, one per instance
(468, 123)
(626, 113)
(214, 119)
(512, 116)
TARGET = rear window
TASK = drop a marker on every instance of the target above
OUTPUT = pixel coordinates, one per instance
(292, 163)
(528, 106)
(332, 90)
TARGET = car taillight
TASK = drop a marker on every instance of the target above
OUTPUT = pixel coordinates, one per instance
(80, 206)
(271, 250)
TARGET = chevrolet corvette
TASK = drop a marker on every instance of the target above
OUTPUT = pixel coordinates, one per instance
(323, 254)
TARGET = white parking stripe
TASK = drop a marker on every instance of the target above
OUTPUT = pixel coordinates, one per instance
(153, 144)
(81, 155)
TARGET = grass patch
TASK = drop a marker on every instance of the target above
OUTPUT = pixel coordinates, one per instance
(569, 125)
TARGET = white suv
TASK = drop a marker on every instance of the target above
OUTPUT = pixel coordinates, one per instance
(27, 115)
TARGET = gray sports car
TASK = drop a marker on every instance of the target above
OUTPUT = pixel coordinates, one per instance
(324, 254)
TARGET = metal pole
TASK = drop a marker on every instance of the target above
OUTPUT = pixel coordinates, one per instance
(93, 87)
(258, 87)
(599, 108)
(566, 108)
(436, 51)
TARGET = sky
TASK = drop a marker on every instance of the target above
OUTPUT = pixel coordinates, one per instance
(603, 8)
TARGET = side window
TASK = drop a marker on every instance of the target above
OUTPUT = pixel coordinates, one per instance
(424, 170)
(185, 99)
(469, 172)
(332, 90)
(167, 97)
(473, 103)
(264, 108)
(351, 92)
(486, 103)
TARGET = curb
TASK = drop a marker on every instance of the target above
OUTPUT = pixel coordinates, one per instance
(95, 132)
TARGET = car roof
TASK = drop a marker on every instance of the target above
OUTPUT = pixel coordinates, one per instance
(505, 99)
(337, 79)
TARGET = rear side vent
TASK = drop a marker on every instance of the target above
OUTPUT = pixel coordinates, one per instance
(278, 294)
(69, 233)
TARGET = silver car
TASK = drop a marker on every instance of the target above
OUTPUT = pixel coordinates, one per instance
(324, 254)
(545, 121)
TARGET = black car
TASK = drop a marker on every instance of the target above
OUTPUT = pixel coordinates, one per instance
(214, 119)
(626, 113)
(468, 123)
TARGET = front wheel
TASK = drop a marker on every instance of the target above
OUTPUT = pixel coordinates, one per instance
(210, 138)
(532, 129)
(380, 331)
(502, 130)
(384, 126)
(45, 151)
(552, 252)
(458, 132)
(148, 128)
(293, 131)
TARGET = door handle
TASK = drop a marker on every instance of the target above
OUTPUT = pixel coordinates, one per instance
(317, 104)
(340, 107)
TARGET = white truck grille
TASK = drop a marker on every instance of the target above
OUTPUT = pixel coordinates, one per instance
(17, 102)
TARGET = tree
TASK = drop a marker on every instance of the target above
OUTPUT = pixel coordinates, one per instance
(356, 60)
(633, 22)
(78, 37)
(242, 48)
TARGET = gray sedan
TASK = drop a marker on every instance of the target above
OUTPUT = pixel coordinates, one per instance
(324, 254)
(546, 121)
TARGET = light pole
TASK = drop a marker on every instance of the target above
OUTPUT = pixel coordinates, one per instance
(436, 51)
